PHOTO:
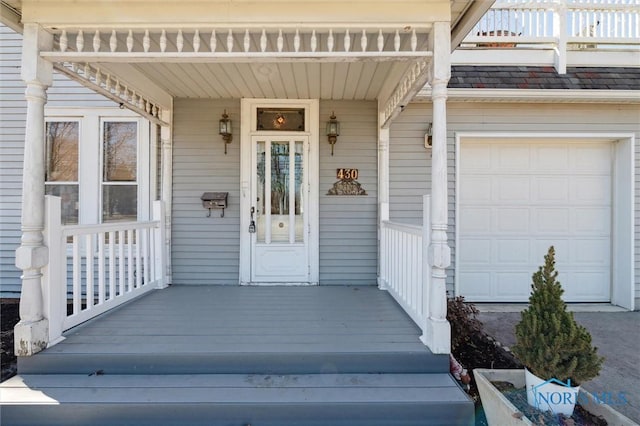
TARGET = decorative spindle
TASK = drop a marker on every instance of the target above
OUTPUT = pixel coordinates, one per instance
(314, 41)
(180, 41)
(107, 84)
(64, 42)
(330, 41)
(380, 41)
(196, 41)
(98, 77)
(414, 41)
(396, 41)
(213, 41)
(154, 111)
(163, 41)
(117, 88)
(230, 41)
(74, 67)
(87, 72)
(296, 41)
(80, 41)
(347, 41)
(147, 107)
(246, 41)
(263, 41)
(130, 41)
(363, 41)
(113, 41)
(146, 41)
(280, 41)
(96, 41)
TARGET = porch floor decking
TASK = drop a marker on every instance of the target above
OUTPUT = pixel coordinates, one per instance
(233, 329)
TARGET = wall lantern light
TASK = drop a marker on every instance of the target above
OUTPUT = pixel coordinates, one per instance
(225, 130)
(333, 130)
(428, 137)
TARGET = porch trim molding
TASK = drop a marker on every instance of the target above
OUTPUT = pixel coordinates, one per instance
(623, 221)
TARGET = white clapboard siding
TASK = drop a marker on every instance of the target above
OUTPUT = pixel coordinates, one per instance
(409, 158)
(348, 224)
(13, 107)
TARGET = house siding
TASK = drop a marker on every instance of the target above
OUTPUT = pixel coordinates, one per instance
(13, 109)
(206, 249)
(408, 157)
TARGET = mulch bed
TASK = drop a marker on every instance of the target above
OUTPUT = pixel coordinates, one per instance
(9, 316)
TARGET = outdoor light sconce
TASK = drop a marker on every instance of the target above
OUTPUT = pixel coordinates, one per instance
(333, 130)
(225, 130)
(428, 137)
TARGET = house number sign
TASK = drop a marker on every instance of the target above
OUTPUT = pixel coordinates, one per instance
(347, 174)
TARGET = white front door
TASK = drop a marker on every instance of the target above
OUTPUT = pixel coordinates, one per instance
(279, 226)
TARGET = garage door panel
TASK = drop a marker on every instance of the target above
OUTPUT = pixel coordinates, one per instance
(534, 195)
(513, 189)
(510, 157)
(552, 220)
(512, 284)
(474, 220)
(475, 251)
(551, 157)
(511, 220)
(512, 251)
(551, 189)
(592, 221)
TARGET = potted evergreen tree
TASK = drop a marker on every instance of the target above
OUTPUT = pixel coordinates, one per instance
(555, 349)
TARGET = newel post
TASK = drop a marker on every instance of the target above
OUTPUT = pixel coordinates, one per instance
(54, 282)
(383, 199)
(160, 248)
(561, 35)
(32, 332)
(437, 335)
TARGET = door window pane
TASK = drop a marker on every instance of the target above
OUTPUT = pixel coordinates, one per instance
(280, 191)
(282, 119)
(260, 209)
(299, 178)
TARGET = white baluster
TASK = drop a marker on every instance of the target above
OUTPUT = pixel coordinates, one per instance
(230, 41)
(180, 41)
(396, 41)
(130, 41)
(196, 41)
(347, 41)
(414, 41)
(163, 41)
(118, 89)
(263, 41)
(247, 40)
(98, 77)
(87, 71)
(64, 41)
(296, 41)
(280, 41)
(96, 41)
(213, 41)
(107, 84)
(80, 41)
(314, 41)
(363, 41)
(113, 41)
(147, 107)
(146, 41)
(330, 41)
(154, 111)
(380, 41)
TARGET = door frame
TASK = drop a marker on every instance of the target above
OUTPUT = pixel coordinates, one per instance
(312, 130)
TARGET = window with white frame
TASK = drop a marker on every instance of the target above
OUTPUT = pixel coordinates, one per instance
(98, 163)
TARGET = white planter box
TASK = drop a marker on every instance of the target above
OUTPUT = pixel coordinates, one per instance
(501, 412)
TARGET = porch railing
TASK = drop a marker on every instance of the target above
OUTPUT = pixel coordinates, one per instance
(404, 268)
(566, 28)
(94, 268)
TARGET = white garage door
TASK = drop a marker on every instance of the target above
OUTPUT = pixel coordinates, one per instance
(518, 197)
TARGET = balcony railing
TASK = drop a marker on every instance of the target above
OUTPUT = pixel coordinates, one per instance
(568, 30)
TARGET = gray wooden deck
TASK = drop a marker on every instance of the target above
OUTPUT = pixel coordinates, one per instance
(240, 355)
(278, 330)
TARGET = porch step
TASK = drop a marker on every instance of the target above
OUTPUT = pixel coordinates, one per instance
(234, 399)
(309, 359)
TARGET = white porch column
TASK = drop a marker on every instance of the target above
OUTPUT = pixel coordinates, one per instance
(438, 332)
(166, 140)
(31, 333)
(383, 192)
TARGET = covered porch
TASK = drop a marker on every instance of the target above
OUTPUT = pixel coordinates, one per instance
(241, 355)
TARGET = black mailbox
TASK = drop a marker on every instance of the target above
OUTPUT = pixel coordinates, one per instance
(215, 200)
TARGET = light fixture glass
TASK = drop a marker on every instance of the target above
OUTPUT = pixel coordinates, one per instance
(333, 130)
